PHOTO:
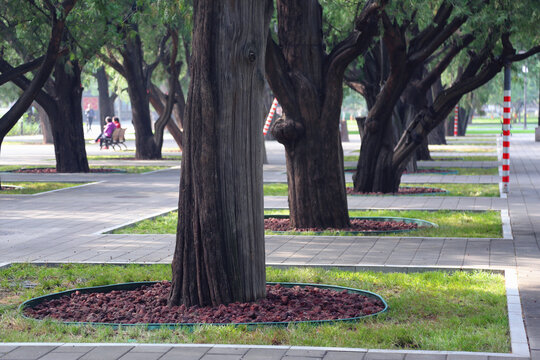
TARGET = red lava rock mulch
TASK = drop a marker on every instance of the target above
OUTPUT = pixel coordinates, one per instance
(53, 170)
(7, 187)
(148, 304)
(402, 191)
(281, 224)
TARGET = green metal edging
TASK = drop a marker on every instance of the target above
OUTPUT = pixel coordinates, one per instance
(421, 224)
(151, 326)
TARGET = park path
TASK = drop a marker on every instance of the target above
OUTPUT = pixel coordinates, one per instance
(67, 225)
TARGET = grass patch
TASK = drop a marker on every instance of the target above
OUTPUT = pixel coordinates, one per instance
(469, 190)
(121, 157)
(462, 148)
(354, 158)
(460, 311)
(127, 169)
(35, 187)
(466, 158)
(493, 131)
(463, 171)
(480, 224)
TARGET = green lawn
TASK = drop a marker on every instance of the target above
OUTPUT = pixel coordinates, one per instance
(488, 190)
(454, 170)
(465, 171)
(465, 158)
(34, 187)
(460, 311)
(462, 148)
(122, 168)
(131, 156)
(481, 224)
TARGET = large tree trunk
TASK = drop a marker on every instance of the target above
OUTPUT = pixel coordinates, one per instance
(219, 255)
(146, 148)
(106, 104)
(309, 127)
(67, 124)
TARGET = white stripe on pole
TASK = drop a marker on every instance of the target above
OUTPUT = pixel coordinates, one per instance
(270, 116)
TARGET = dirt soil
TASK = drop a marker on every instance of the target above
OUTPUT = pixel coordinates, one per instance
(402, 191)
(280, 224)
(148, 304)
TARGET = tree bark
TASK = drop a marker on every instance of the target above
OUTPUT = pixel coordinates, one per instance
(106, 103)
(67, 125)
(219, 254)
(308, 85)
(45, 124)
(132, 55)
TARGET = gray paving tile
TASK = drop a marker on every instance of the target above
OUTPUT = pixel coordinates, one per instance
(185, 353)
(420, 356)
(150, 348)
(264, 354)
(221, 357)
(227, 350)
(141, 356)
(383, 356)
(466, 357)
(344, 355)
(106, 353)
(304, 352)
(27, 352)
(6, 348)
(62, 356)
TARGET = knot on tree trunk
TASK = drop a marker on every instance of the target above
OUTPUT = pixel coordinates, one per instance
(286, 130)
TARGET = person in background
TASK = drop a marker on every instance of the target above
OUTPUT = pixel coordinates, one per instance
(116, 122)
(89, 113)
(107, 132)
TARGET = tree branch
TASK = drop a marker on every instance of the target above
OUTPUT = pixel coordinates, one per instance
(277, 74)
(112, 62)
(20, 70)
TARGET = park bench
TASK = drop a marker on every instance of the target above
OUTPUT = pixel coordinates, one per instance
(117, 139)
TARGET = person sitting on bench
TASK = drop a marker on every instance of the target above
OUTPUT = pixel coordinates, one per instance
(107, 132)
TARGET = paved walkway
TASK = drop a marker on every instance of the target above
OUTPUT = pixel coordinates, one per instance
(34, 228)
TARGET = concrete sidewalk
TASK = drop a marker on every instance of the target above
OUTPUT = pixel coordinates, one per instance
(33, 228)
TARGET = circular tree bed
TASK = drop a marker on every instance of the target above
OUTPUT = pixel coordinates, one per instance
(359, 225)
(146, 304)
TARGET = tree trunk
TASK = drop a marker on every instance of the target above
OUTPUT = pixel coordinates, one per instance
(132, 55)
(45, 124)
(438, 135)
(106, 105)
(308, 85)
(219, 254)
(67, 124)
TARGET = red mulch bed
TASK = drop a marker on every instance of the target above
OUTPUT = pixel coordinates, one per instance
(361, 225)
(148, 304)
(7, 187)
(53, 170)
(402, 191)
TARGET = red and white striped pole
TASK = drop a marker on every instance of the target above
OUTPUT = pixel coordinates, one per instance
(456, 118)
(270, 117)
(507, 116)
